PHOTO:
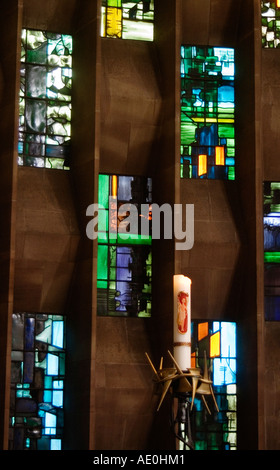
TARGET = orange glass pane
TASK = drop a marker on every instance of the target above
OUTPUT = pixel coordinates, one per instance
(220, 154)
(215, 345)
(114, 186)
(278, 3)
(202, 330)
(202, 165)
(193, 360)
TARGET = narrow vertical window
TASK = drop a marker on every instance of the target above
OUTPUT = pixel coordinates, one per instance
(124, 19)
(45, 100)
(272, 250)
(217, 431)
(124, 270)
(270, 13)
(37, 382)
(207, 113)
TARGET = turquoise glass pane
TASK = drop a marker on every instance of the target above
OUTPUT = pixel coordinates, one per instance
(57, 398)
(52, 364)
(55, 444)
(50, 423)
(58, 334)
(47, 396)
(62, 364)
(58, 384)
(48, 382)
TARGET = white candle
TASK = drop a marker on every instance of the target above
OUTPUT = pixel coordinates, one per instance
(182, 320)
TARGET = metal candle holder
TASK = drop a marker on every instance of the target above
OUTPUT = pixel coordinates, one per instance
(184, 386)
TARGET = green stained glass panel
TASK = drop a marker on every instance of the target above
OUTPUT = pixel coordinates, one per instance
(270, 13)
(272, 257)
(102, 266)
(114, 3)
(207, 112)
(103, 221)
(124, 259)
(103, 191)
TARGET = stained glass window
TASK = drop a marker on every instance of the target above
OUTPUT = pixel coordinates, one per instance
(272, 250)
(270, 12)
(128, 19)
(124, 260)
(217, 431)
(37, 382)
(207, 112)
(45, 100)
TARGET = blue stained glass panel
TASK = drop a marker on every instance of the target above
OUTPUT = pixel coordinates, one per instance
(272, 307)
(217, 431)
(52, 364)
(50, 423)
(55, 444)
(224, 371)
(216, 326)
(58, 384)
(57, 334)
(228, 339)
(29, 333)
(28, 367)
(57, 398)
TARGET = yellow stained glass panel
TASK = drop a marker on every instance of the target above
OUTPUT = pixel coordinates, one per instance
(114, 22)
(114, 186)
(202, 165)
(215, 345)
(219, 155)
